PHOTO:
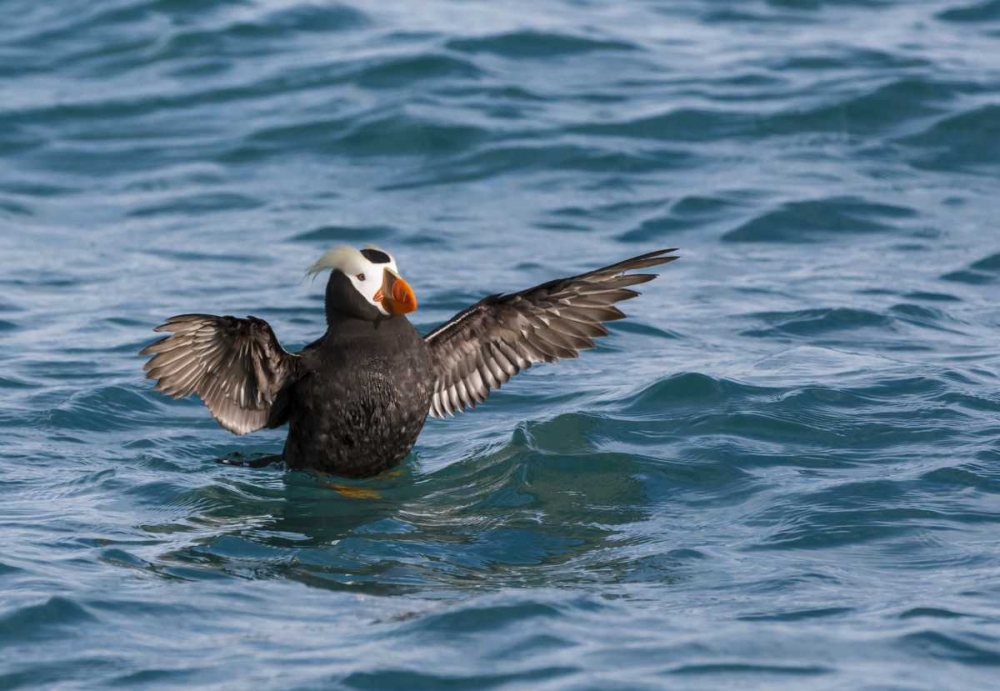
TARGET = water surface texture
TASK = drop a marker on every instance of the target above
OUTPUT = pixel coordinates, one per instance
(782, 472)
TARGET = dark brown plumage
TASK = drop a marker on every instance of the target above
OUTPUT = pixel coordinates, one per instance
(236, 366)
(481, 348)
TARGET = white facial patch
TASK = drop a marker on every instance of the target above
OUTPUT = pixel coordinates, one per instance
(365, 275)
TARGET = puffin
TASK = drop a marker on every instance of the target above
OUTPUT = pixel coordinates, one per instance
(356, 399)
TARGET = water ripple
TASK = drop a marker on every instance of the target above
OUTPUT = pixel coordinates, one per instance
(812, 220)
(536, 44)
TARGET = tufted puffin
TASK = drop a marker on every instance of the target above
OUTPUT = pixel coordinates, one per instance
(356, 399)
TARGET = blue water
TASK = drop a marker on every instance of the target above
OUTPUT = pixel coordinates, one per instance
(782, 472)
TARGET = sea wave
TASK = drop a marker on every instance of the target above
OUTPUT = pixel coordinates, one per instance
(780, 469)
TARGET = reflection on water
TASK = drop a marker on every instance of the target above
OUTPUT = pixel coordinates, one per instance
(520, 515)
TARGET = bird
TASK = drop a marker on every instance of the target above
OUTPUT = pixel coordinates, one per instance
(356, 399)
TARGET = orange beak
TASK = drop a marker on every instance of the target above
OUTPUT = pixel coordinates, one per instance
(396, 295)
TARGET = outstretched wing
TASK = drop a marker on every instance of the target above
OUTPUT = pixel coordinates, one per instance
(482, 347)
(236, 366)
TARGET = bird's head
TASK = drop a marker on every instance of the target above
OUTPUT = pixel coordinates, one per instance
(364, 284)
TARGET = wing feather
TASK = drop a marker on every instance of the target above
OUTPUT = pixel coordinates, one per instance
(482, 347)
(236, 366)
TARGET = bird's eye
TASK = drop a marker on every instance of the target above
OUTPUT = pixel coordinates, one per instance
(361, 277)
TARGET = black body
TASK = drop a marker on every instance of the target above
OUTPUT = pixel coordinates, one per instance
(362, 396)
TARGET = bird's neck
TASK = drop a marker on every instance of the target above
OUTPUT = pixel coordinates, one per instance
(342, 302)
(345, 326)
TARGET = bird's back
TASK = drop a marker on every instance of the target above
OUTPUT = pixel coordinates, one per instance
(362, 400)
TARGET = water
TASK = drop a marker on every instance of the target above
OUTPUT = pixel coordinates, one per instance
(782, 472)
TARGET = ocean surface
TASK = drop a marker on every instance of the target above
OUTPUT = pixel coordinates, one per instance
(781, 472)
